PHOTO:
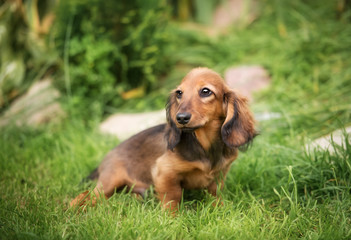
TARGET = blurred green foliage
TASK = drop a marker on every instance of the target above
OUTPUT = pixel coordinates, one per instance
(194, 10)
(112, 50)
(25, 55)
(128, 54)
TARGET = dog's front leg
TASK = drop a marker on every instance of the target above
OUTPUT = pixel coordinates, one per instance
(169, 191)
(167, 181)
(213, 189)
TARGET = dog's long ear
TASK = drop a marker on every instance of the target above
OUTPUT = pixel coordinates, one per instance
(238, 128)
(172, 132)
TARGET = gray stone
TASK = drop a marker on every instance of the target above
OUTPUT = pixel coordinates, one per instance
(38, 106)
(234, 11)
(266, 116)
(247, 79)
(124, 125)
(325, 143)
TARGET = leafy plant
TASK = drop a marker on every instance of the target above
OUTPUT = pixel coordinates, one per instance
(25, 55)
(112, 50)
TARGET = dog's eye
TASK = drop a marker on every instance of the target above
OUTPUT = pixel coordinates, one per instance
(205, 92)
(179, 94)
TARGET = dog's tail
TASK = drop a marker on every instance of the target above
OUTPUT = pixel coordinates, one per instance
(92, 176)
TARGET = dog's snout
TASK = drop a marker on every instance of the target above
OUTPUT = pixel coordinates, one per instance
(183, 118)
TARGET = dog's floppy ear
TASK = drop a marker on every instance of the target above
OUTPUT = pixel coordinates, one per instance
(238, 128)
(172, 132)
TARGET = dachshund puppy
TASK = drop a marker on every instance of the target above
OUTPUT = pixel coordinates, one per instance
(206, 124)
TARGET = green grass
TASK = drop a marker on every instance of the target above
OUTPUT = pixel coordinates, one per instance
(272, 192)
(275, 190)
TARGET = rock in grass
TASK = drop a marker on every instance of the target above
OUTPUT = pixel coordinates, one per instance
(124, 125)
(233, 12)
(38, 106)
(336, 138)
(247, 79)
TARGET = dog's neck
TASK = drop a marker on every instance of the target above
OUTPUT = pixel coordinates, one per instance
(204, 143)
(208, 134)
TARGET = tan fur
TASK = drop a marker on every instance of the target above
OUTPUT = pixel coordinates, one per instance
(178, 155)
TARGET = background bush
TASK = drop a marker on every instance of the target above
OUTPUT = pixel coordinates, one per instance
(112, 50)
(25, 55)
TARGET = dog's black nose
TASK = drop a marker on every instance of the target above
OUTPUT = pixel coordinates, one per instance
(183, 118)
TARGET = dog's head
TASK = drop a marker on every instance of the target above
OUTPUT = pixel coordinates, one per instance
(203, 98)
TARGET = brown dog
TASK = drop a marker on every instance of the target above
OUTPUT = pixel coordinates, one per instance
(207, 122)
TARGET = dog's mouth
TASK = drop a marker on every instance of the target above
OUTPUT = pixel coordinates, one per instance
(189, 129)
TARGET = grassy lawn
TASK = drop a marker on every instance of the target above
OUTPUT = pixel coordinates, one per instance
(275, 190)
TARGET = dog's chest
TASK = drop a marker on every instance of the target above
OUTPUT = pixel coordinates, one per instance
(200, 177)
